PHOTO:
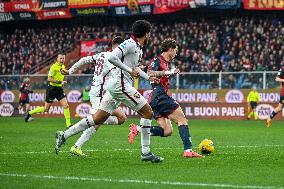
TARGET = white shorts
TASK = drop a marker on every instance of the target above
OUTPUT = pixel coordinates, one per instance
(129, 96)
(95, 101)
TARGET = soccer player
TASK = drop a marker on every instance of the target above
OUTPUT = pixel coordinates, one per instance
(101, 74)
(126, 57)
(24, 95)
(165, 108)
(252, 100)
(54, 90)
(279, 78)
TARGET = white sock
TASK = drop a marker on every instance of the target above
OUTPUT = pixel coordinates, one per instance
(145, 134)
(111, 120)
(82, 125)
(87, 134)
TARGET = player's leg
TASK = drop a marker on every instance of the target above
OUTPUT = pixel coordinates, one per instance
(28, 106)
(132, 99)
(118, 117)
(92, 122)
(179, 118)
(50, 96)
(273, 114)
(66, 111)
(250, 110)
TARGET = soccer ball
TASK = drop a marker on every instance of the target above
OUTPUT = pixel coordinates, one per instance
(206, 146)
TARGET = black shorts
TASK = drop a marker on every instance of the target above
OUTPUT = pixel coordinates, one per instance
(53, 92)
(253, 104)
(281, 101)
(161, 103)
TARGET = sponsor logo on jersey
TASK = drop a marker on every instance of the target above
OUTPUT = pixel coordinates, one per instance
(6, 110)
(234, 96)
(7, 96)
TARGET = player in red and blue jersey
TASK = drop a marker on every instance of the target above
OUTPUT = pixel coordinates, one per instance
(279, 78)
(165, 108)
(24, 95)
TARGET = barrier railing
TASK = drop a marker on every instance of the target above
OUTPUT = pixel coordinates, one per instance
(185, 80)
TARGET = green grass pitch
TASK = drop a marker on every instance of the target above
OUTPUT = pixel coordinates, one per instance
(248, 155)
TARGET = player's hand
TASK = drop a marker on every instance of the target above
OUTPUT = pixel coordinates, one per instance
(63, 82)
(64, 72)
(135, 73)
(154, 79)
(176, 71)
(278, 79)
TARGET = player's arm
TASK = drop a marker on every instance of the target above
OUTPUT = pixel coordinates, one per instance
(248, 98)
(163, 73)
(50, 78)
(153, 69)
(81, 62)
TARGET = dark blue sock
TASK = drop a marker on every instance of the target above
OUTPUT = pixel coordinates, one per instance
(185, 136)
(272, 114)
(157, 131)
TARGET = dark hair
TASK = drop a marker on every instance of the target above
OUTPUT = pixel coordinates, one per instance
(140, 28)
(167, 44)
(117, 40)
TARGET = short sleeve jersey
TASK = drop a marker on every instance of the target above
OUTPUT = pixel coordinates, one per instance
(55, 73)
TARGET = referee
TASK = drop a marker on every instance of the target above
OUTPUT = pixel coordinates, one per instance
(252, 100)
(54, 90)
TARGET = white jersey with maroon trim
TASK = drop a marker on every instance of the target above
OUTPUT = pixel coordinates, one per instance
(101, 74)
(130, 53)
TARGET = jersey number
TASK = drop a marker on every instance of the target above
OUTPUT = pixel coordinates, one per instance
(99, 66)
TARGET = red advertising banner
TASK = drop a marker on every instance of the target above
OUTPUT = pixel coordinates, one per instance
(25, 6)
(91, 47)
(5, 7)
(264, 4)
(51, 14)
(168, 6)
(87, 3)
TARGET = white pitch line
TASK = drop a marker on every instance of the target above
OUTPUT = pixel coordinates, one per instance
(110, 180)
(131, 149)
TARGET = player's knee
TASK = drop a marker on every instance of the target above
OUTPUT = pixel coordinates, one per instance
(182, 121)
(65, 106)
(168, 132)
(148, 115)
(121, 119)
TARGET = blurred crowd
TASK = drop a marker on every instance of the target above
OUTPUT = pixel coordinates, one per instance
(227, 44)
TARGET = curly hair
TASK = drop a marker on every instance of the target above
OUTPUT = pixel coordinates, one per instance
(140, 28)
(167, 44)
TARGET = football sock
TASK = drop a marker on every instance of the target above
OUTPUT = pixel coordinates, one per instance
(82, 125)
(111, 120)
(272, 114)
(250, 114)
(157, 131)
(255, 115)
(66, 112)
(145, 134)
(87, 134)
(36, 110)
(185, 136)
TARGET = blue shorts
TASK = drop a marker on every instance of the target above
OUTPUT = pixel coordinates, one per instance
(161, 103)
(24, 102)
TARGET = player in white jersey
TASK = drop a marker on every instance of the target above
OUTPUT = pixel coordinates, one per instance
(127, 57)
(101, 74)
